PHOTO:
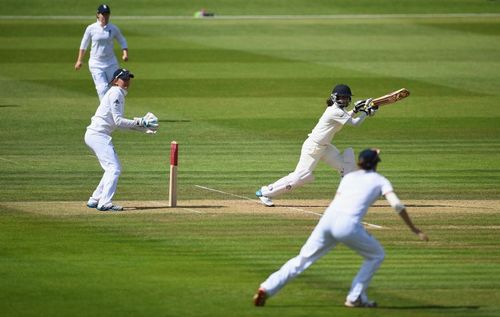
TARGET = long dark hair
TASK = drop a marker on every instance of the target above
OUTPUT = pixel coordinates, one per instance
(329, 101)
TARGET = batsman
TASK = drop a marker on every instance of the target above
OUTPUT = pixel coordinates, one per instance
(317, 147)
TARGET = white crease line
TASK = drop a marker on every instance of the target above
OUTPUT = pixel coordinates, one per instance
(371, 225)
(304, 211)
(292, 208)
(192, 210)
(225, 193)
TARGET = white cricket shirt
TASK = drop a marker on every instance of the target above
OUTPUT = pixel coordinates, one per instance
(332, 120)
(109, 115)
(101, 51)
(356, 193)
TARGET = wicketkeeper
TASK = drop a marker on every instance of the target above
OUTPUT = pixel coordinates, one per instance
(318, 145)
(342, 223)
(109, 117)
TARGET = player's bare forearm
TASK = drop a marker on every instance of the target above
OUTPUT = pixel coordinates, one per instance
(406, 218)
(79, 60)
(125, 54)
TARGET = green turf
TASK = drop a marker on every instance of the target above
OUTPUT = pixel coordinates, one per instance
(244, 7)
(240, 97)
(179, 264)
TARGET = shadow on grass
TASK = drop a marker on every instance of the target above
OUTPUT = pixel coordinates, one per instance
(166, 120)
(416, 307)
(416, 205)
(302, 206)
(470, 307)
(373, 206)
(168, 207)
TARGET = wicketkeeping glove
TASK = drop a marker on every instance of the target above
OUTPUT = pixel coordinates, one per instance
(148, 121)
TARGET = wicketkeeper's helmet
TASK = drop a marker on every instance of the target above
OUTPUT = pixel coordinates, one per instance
(341, 91)
(122, 73)
(368, 159)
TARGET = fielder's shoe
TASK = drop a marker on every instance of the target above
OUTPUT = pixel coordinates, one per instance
(358, 303)
(92, 203)
(264, 199)
(110, 208)
(259, 299)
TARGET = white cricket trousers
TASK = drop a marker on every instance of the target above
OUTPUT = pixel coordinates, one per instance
(310, 156)
(103, 148)
(328, 233)
(102, 76)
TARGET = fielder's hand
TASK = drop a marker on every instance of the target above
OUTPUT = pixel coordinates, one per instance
(422, 236)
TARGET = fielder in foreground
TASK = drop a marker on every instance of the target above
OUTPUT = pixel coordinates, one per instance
(318, 145)
(102, 62)
(341, 223)
(109, 117)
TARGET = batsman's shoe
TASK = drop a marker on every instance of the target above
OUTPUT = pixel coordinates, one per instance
(259, 299)
(92, 203)
(264, 199)
(110, 208)
(358, 303)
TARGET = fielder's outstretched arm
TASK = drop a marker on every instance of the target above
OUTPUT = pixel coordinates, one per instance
(401, 210)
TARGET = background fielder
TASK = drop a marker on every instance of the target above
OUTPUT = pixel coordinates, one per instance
(108, 117)
(341, 223)
(102, 61)
(318, 145)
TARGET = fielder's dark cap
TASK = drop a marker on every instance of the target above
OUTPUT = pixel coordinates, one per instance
(369, 158)
(342, 90)
(123, 74)
(103, 8)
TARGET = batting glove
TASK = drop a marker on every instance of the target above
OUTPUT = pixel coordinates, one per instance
(359, 106)
(370, 111)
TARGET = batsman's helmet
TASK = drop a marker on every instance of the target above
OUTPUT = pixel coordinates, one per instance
(368, 159)
(341, 95)
(103, 8)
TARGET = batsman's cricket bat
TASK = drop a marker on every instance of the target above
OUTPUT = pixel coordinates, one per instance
(392, 97)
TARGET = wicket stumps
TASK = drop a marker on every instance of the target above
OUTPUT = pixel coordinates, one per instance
(172, 193)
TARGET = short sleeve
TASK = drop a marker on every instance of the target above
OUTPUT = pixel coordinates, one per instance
(386, 186)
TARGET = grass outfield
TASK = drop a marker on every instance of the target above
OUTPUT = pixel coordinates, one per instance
(240, 97)
(246, 93)
(207, 257)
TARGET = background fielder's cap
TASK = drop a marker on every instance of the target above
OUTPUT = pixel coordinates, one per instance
(103, 8)
(123, 74)
(342, 90)
(368, 158)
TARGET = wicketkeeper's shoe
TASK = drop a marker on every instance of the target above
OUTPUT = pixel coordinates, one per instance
(110, 208)
(358, 303)
(264, 199)
(259, 299)
(92, 203)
